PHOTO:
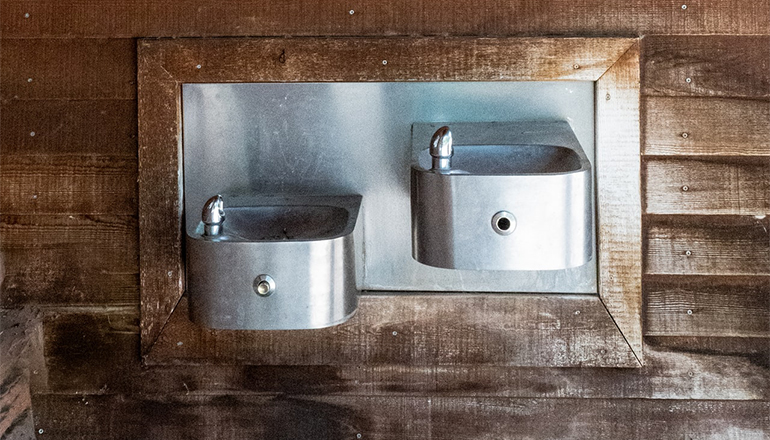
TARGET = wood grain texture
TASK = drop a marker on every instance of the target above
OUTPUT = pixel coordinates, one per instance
(708, 306)
(618, 199)
(706, 126)
(164, 64)
(757, 350)
(715, 187)
(70, 18)
(718, 66)
(94, 351)
(68, 184)
(69, 259)
(67, 69)
(160, 197)
(707, 246)
(424, 330)
(361, 59)
(241, 417)
(105, 127)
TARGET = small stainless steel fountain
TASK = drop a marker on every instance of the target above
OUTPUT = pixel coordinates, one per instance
(273, 263)
(519, 206)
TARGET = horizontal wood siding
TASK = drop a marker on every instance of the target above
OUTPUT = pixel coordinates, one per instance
(78, 340)
(685, 126)
(68, 171)
(707, 175)
(68, 127)
(373, 417)
(69, 259)
(708, 246)
(68, 69)
(68, 184)
(731, 306)
(711, 187)
(175, 18)
(727, 66)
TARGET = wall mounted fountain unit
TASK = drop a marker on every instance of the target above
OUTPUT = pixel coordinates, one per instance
(297, 196)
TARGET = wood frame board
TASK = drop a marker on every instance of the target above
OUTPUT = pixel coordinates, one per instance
(416, 329)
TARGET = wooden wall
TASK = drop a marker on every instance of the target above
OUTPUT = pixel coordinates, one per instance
(68, 226)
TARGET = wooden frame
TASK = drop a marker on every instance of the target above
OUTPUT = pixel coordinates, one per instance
(421, 330)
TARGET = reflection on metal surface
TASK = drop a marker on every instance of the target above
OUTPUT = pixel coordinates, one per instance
(213, 216)
(441, 149)
(357, 138)
(547, 186)
(295, 253)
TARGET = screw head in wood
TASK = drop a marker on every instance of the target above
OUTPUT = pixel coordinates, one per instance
(26, 15)
(688, 80)
(684, 7)
(685, 188)
(685, 135)
(688, 253)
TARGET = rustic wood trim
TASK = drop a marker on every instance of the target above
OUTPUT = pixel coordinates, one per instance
(618, 196)
(613, 62)
(93, 349)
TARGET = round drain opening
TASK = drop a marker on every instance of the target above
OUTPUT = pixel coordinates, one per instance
(504, 223)
(264, 285)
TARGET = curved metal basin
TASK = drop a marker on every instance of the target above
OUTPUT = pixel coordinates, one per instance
(280, 263)
(504, 207)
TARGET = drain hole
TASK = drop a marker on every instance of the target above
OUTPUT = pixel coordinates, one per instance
(504, 223)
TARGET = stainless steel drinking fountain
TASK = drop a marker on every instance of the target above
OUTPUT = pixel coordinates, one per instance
(273, 263)
(522, 205)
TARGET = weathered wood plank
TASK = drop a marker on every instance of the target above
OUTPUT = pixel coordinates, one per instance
(706, 126)
(106, 127)
(67, 69)
(241, 417)
(714, 187)
(424, 330)
(92, 351)
(68, 184)
(755, 350)
(723, 66)
(70, 18)
(380, 59)
(707, 246)
(618, 202)
(69, 259)
(705, 306)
